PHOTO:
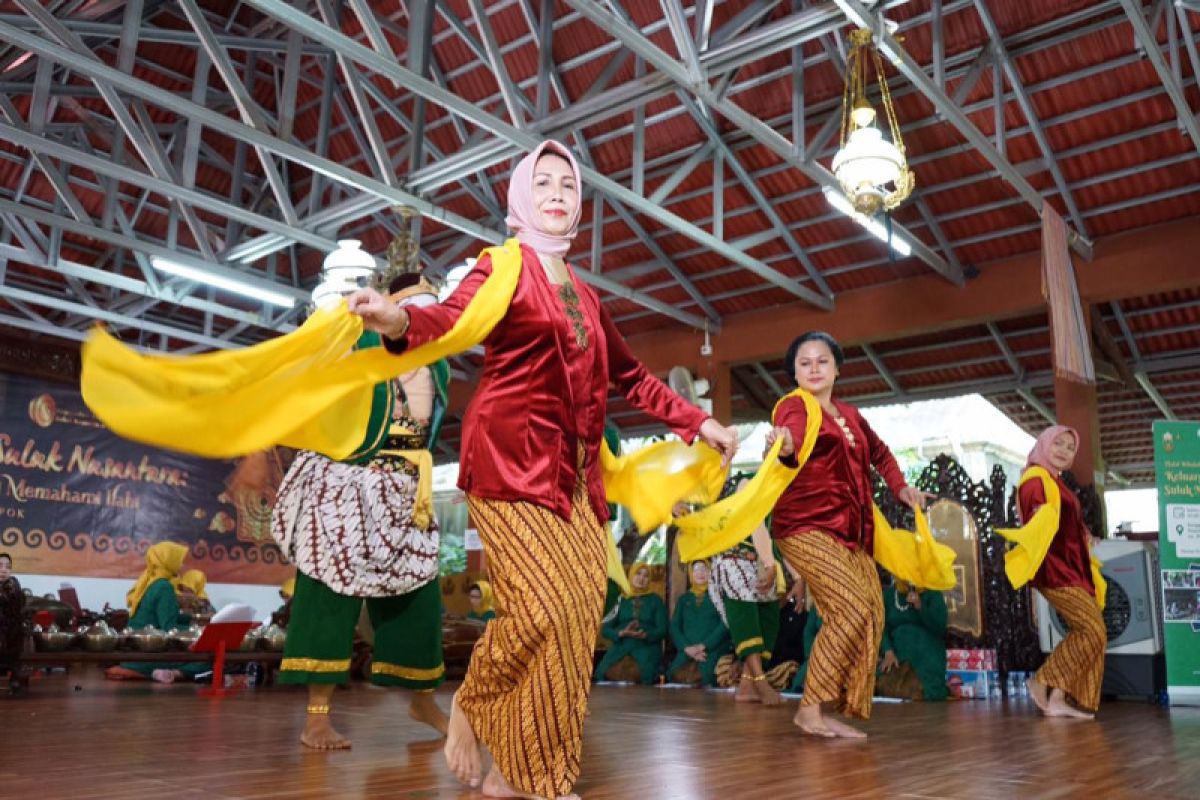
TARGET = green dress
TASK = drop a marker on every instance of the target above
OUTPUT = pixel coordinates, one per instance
(696, 621)
(159, 609)
(918, 638)
(651, 613)
(812, 626)
(485, 617)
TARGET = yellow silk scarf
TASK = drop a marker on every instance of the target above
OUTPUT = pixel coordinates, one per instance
(309, 390)
(423, 502)
(724, 524)
(915, 558)
(616, 573)
(1032, 540)
(306, 390)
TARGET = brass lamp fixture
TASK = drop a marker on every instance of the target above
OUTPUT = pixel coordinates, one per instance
(872, 171)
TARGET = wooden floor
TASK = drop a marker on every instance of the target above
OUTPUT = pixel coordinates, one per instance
(142, 742)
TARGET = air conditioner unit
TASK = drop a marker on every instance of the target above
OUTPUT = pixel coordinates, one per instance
(1134, 664)
(1133, 613)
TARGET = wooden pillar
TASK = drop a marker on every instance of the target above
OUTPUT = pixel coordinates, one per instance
(1076, 406)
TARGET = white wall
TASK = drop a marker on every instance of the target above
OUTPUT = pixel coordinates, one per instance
(95, 592)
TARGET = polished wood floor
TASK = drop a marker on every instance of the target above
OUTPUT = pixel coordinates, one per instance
(108, 741)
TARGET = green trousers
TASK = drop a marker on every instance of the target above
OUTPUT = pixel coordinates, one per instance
(320, 636)
(753, 627)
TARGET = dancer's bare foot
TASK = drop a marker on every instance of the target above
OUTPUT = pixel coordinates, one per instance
(844, 731)
(462, 750)
(1037, 690)
(422, 708)
(320, 735)
(494, 785)
(767, 695)
(165, 675)
(745, 691)
(1058, 706)
(810, 721)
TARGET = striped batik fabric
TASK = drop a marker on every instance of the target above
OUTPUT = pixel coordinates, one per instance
(1077, 664)
(845, 586)
(526, 690)
(1068, 328)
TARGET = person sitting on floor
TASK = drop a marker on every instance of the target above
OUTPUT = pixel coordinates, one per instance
(699, 634)
(153, 603)
(637, 630)
(914, 644)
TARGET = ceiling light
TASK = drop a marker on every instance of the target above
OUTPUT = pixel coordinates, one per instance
(227, 282)
(877, 228)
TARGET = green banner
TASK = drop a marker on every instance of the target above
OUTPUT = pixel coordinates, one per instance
(1177, 472)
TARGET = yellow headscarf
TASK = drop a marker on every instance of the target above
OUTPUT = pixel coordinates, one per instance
(633, 570)
(195, 580)
(487, 599)
(288, 588)
(163, 560)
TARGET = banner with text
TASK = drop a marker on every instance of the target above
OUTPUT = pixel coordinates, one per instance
(1177, 472)
(76, 499)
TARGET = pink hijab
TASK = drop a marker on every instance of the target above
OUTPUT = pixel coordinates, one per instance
(1040, 454)
(523, 217)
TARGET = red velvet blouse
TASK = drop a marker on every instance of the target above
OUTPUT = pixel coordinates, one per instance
(1068, 562)
(833, 491)
(541, 394)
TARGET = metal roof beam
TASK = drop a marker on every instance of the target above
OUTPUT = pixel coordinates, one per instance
(740, 118)
(883, 371)
(1149, 45)
(51, 220)
(1035, 127)
(499, 70)
(143, 140)
(149, 33)
(764, 205)
(526, 140)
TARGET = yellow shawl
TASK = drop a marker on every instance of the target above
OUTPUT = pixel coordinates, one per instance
(309, 390)
(1032, 540)
(163, 560)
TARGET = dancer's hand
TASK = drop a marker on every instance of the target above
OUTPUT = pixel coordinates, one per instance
(784, 433)
(766, 576)
(915, 498)
(890, 662)
(797, 593)
(378, 313)
(695, 652)
(720, 438)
